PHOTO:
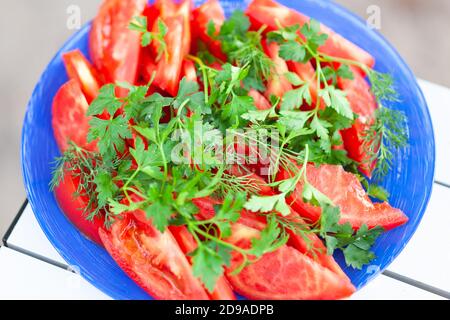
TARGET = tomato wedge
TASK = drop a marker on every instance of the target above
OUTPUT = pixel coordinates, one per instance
(268, 12)
(114, 48)
(312, 246)
(152, 259)
(278, 85)
(261, 102)
(347, 193)
(189, 71)
(168, 68)
(73, 205)
(186, 241)
(364, 104)
(184, 10)
(80, 69)
(211, 10)
(69, 119)
(307, 73)
(285, 274)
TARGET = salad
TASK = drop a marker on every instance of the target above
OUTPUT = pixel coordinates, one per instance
(212, 155)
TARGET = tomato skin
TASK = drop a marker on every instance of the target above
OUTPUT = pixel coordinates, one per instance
(168, 69)
(114, 48)
(267, 12)
(314, 248)
(211, 10)
(261, 102)
(278, 85)
(347, 193)
(73, 205)
(151, 258)
(69, 119)
(364, 104)
(187, 243)
(80, 69)
(307, 73)
(189, 71)
(184, 10)
(285, 274)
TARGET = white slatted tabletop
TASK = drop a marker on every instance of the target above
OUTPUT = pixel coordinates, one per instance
(431, 242)
(24, 277)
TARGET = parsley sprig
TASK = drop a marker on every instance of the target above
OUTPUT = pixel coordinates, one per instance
(140, 24)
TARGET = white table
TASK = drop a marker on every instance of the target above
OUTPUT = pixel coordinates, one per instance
(30, 268)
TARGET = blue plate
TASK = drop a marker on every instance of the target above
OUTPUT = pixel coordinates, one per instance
(409, 182)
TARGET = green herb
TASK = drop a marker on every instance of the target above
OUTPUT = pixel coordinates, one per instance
(140, 24)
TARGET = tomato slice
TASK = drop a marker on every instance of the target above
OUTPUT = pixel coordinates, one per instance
(73, 206)
(80, 69)
(364, 104)
(114, 48)
(347, 193)
(186, 241)
(211, 10)
(184, 10)
(152, 259)
(278, 85)
(284, 274)
(168, 68)
(268, 12)
(261, 102)
(307, 73)
(312, 246)
(189, 71)
(69, 119)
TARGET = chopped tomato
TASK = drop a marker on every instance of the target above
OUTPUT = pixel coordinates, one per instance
(166, 8)
(261, 102)
(307, 73)
(283, 274)
(268, 12)
(184, 10)
(168, 68)
(211, 10)
(364, 104)
(152, 259)
(80, 69)
(347, 193)
(69, 119)
(186, 241)
(312, 246)
(189, 71)
(73, 205)
(114, 48)
(278, 85)
(151, 12)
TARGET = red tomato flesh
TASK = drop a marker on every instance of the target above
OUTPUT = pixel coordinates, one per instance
(346, 192)
(114, 48)
(364, 104)
(73, 207)
(152, 259)
(285, 274)
(307, 73)
(168, 68)
(261, 102)
(211, 10)
(69, 119)
(189, 71)
(278, 85)
(187, 243)
(314, 247)
(267, 12)
(80, 69)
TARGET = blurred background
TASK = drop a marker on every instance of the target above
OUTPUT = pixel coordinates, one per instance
(32, 31)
